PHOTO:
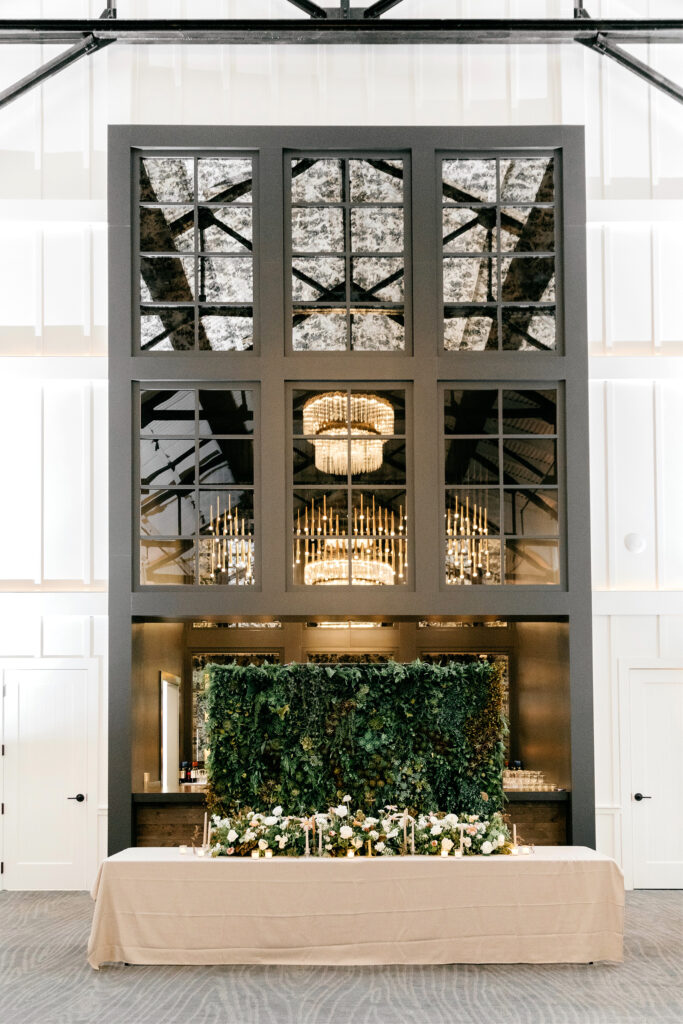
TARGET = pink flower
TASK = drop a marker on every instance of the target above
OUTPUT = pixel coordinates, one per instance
(433, 842)
(230, 849)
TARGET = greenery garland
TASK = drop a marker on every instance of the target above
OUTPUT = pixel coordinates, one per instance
(302, 735)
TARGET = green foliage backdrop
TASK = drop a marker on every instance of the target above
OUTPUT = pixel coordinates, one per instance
(427, 737)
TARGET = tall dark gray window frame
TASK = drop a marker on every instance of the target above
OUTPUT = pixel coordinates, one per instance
(424, 367)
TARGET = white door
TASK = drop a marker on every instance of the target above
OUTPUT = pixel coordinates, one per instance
(657, 777)
(45, 833)
(170, 732)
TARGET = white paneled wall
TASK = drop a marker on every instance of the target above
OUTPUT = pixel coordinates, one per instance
(53, 295)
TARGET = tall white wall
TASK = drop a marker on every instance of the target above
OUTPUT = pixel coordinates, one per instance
(53, 293)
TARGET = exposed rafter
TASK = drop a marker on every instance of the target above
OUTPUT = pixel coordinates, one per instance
(52, 67)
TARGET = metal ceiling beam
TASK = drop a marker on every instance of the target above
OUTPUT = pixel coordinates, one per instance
(355, 31)
(606, 48)
(52, 67)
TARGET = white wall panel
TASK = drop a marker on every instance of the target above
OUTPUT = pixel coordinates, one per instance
(20, 468)
(598, 487)
(65, 635)
(669, 499)
(629, 285)
(66, 445)
(631, 484)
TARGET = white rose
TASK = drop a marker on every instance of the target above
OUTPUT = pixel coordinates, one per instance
(345, 831)
(232, 835)
(358, 842)
(467, 842)
(277, 810)
(341, 811)
(249, 835)
(380, 846)
(446, 844)
(262, 844)
(371, 821)
(486, 847)
(328, 846)
(501, 840)
(374, 834)
(436, 830)
(282, 843)
(451, 819)
(270, 820)
(346, 799)
(392, 834)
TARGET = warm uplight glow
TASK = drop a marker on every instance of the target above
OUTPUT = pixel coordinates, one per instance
(357, 421)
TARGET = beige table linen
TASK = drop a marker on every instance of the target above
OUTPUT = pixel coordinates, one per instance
(156, 906)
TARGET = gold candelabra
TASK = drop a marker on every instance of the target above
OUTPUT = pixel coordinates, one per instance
(232, 545)
(376, 551)
(468, 559)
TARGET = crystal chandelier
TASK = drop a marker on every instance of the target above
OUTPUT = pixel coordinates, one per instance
(338, 415)
(468, 559)
(232, 546)
(378, 546)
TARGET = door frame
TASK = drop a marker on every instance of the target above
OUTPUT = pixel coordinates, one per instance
(91, 667)
(625, 666)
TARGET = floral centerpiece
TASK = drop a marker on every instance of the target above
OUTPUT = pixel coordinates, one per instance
(339, 832)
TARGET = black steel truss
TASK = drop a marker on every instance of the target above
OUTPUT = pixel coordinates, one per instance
(345, 25)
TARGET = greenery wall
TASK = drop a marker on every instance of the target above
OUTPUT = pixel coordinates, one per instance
(427, 737)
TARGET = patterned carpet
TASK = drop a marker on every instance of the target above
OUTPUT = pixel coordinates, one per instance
(44, 979)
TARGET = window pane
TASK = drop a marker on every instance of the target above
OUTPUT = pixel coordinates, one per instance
(392, 469)
(469, 180)
(167, 412)
(316, 181)
(317, 229)
(473, 561)
(229, 511)
(471, 411)
(314, 331)
(167, 279)
(167, 513)
(167, 229)
(166, 330)
(532, 562)
(530, 461)
(165, 563)
(531, 279)
(469, 280)
(305, 468)
(226, 328)
(472, 461)
(527, 229)
(467, 502)
(377, 331)
(225, 279)
(467, 229)
(225, 179)
(529, 412)
(379, 538)
(529, 329)
(377, 229)
(376, 181)
(375, 278)
(470, 328)
(167, 461)
(531, 513)
(226, 411)
(224, 229)
(223, 461)
(168, 179)
(527, 180)
(321, 277)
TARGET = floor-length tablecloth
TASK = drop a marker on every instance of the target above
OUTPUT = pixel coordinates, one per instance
(156, 906)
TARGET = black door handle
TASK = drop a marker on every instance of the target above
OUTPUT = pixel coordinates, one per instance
(639, 796)
(79, 797)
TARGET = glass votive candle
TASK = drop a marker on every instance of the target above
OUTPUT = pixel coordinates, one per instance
(457, 853)
(524, 849)
(444, 853)
(256, 854)
(269, 853)
(350, 853)
(182, 849)
(201, 852)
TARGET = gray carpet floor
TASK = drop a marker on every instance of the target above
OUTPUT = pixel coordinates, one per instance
(44, 979)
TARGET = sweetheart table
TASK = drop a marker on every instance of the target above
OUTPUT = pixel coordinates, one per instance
(562, 904)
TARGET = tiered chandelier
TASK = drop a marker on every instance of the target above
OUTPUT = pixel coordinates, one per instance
(378, 546)
(362, 418)
(467, 544)
(232, 546)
